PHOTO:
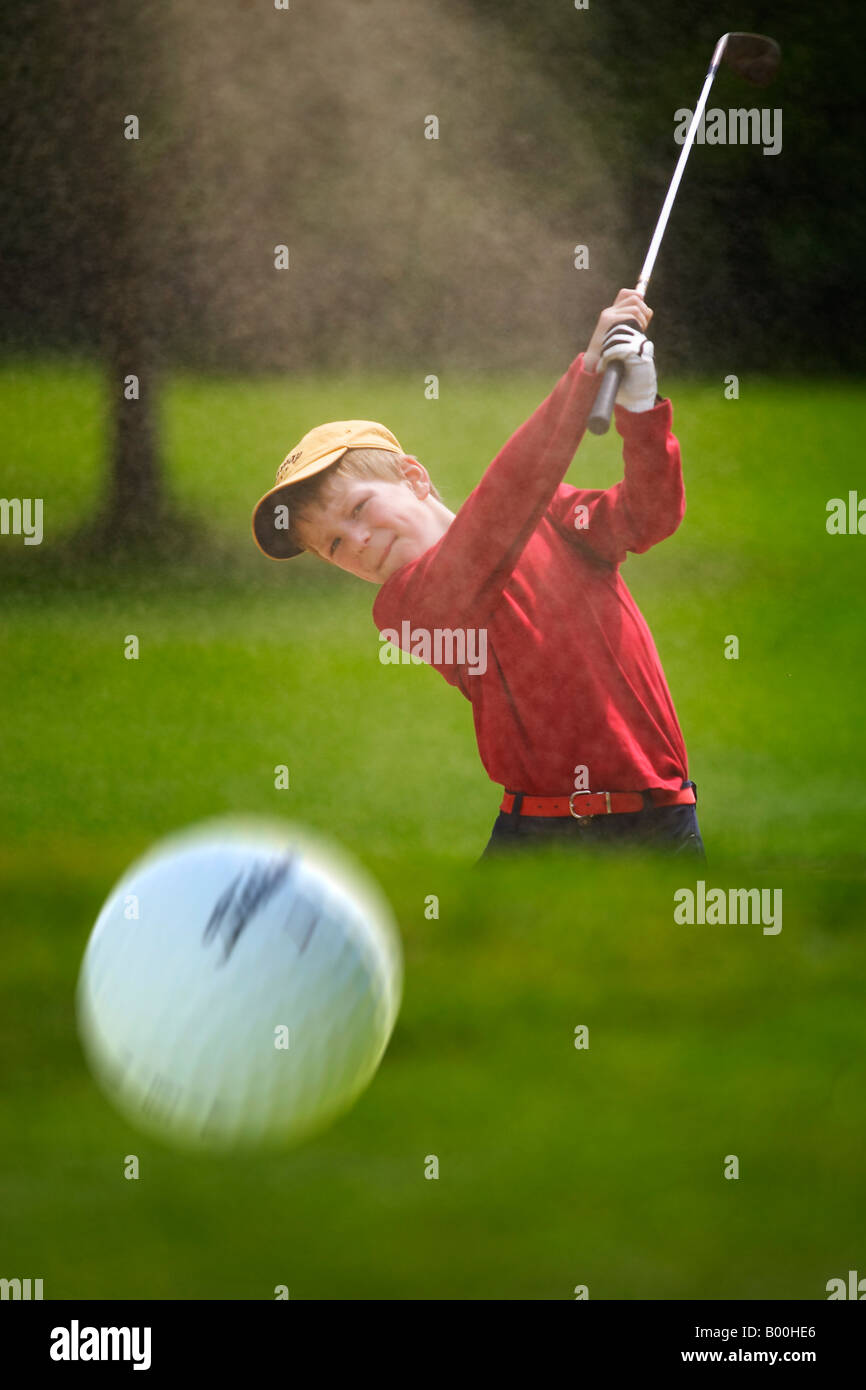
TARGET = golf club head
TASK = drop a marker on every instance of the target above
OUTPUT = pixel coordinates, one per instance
(754, 57)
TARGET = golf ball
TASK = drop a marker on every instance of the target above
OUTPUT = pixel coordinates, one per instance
(239, 987)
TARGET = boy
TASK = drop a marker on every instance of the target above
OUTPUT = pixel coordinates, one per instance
(572, 712)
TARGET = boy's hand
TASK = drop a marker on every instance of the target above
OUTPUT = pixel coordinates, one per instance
(637, 391)
(627, 305)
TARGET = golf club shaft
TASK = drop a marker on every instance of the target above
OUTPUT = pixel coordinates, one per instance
(599, 420)
(667, 205)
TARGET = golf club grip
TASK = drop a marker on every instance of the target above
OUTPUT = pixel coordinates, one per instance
(599, 420)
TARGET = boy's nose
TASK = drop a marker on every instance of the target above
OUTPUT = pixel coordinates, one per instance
(362, 540)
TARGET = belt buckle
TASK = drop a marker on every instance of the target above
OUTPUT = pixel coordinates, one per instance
(583, 819)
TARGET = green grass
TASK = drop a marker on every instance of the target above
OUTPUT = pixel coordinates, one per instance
(558, 1167)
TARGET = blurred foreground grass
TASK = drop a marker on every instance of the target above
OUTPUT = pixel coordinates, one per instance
(557, 1166)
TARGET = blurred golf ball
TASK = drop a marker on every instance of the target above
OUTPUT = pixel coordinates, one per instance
(239, 987)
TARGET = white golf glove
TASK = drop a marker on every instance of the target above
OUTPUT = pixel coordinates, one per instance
(638, 387)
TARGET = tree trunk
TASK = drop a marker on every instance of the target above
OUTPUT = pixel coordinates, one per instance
(126, 257)
(135, 502)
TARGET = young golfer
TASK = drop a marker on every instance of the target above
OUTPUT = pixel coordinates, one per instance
(518, 599)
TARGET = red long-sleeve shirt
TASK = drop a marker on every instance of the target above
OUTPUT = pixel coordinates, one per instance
(573, 677)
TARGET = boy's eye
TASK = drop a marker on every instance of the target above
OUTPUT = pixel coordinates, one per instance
(336, 541)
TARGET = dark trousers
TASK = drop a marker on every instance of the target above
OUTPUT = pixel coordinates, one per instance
(667, 830)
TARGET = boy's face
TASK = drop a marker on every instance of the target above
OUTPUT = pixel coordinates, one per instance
(370, 526)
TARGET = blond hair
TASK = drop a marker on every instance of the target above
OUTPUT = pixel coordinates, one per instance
(355, 463)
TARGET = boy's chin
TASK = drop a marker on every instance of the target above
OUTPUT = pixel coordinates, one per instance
(401, 553)
(396, 562)
(397, 556)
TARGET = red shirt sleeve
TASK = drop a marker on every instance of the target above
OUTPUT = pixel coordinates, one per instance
(645, 507)
(462, 576)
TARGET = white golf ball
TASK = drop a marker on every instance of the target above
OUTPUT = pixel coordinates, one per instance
(239, 987)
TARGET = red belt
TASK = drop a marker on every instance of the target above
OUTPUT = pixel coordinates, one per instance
(584, 804)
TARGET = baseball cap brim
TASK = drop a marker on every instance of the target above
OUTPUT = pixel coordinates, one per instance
(270, 531)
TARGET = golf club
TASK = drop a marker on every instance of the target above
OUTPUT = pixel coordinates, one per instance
(755, 58)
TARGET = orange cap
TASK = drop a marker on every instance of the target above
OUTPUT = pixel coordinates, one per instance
(316, 451)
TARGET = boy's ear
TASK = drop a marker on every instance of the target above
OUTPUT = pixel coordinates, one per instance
(410, 458)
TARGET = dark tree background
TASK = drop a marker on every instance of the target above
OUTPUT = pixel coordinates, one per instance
(305, 127)
(770, 244)
(570, 127)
